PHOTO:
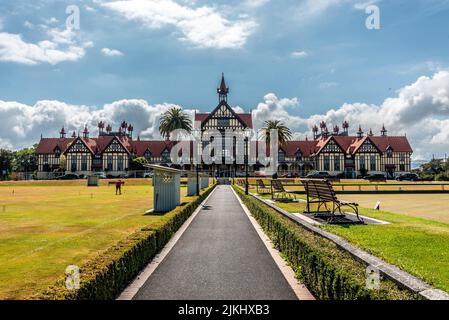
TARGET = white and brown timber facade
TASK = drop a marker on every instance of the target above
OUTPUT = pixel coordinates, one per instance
(336, 152)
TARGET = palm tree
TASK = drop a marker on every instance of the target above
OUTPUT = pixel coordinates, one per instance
(172, 120)
(284, 133)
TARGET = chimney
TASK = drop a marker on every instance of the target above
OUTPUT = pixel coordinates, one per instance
(345, 128)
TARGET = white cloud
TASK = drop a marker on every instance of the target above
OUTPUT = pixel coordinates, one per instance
(22, 125)
(111, 52)
(27, 24)
(203, 27)
(299, 54)
(61, 47)
(255, 3)
(365, 4)
(420, 110)
(328, 85)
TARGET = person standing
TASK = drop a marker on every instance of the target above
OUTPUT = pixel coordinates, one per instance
(118, 187)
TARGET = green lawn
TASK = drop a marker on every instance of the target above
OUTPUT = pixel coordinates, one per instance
(417, 245)
(44, 227)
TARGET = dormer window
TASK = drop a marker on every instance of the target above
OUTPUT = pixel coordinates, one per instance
(298, 156)
(147, 155)
(389, 153)
(281, 156)
(57, 153)
(166, 156)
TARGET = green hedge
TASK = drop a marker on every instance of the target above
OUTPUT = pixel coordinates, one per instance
(327, 271)
(106, 276)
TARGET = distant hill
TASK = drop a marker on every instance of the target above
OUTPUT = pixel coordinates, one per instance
(417, 163)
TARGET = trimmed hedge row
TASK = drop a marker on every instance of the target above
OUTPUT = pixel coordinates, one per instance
(106, 276)
(327, 271)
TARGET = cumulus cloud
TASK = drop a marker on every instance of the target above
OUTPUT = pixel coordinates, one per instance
(22, 125)
(203, 27)
(419, 110)
(61, 46)
(298, 54)
(111, 52)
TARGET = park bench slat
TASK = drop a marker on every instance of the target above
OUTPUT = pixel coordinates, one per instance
(321, 192)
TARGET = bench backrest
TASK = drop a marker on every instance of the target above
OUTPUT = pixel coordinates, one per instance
(260, 184)
(320, 189)
(277, 186)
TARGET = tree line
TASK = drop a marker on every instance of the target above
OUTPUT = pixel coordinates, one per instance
(24, 160)
(434, 170)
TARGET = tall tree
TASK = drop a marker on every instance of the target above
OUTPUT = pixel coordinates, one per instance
(174, 119)
(6, 161)
(25, 160)
(284, 133)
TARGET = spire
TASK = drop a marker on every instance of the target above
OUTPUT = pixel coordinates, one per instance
(223, 90)
(315, 132)
(383, 131)
(86, 132)
(62, 133)
(74, 134)
(370, 133)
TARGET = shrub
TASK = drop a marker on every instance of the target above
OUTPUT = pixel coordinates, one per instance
(327, 271)
(106, 276)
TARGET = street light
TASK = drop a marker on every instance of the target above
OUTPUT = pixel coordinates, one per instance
(247, 137)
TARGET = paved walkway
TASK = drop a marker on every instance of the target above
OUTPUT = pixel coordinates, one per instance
(219, 257)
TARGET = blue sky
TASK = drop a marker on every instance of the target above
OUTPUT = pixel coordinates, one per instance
(316, 55)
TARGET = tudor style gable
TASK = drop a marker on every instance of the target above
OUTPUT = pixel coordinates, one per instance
(78, 146)
(115, 147)
(223, 117)
(331, 147)
(367, 146)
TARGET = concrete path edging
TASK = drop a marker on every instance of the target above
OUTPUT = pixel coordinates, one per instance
(400, 277)
(130, 292)
(300, 289)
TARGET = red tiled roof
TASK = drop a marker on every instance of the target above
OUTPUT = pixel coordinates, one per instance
(398, 144)
(48, 145)
(307, 148)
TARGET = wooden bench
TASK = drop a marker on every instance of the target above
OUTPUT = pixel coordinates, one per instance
(322, 193)
(262, 188)
(277, 188)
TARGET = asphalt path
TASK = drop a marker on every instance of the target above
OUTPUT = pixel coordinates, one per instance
(219, 257)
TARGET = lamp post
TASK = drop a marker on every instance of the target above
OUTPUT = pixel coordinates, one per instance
(246, 166)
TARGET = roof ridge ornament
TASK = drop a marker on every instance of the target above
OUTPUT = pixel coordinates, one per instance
(223, 90)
